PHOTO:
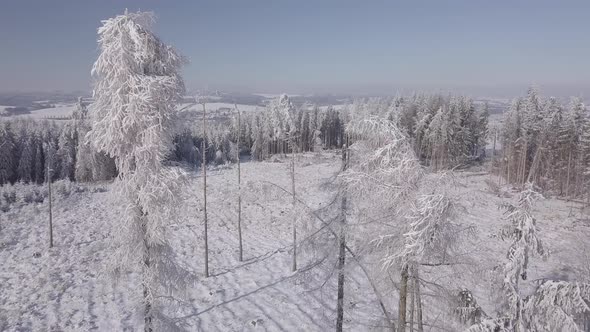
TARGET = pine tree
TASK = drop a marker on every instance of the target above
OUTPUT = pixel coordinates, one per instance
(68, 140)
(26, 162)
(39, 161)
(7, 160)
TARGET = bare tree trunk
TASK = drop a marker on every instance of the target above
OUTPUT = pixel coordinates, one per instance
(524, 157)
(508, 162)
(411, 290)
(49, 174)
(294, 265)
(147, 299)
(502, 166)
(403, 293)
(535, 164)
(493, 153)
(241, 257)
(418, 300)
(342, 248)
(567, 180)
(204, 166)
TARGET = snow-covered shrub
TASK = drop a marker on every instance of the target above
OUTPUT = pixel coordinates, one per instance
(28, 195)
(219, 157)
(467, 309)
(63, 188)
(4, 207)
(9, 195)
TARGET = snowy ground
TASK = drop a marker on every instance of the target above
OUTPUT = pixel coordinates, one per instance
(59, 111)
(66, 289)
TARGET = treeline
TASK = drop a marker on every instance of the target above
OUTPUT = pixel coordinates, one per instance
(546, 143)
(32, 152)
(276, 129)
(445, 131)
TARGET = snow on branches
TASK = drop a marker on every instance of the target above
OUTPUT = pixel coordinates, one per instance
(383, 161)
(138, 85)
(555, 306)
(522, 231)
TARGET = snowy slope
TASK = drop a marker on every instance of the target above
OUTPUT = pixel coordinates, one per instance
(66, 288)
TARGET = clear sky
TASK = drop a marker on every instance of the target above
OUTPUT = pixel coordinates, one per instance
(481, 47)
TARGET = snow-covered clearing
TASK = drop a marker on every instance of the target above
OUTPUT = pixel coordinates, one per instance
(213, 107)
(66, 289)
(59, 111)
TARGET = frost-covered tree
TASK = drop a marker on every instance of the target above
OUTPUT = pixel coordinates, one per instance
(382, 174)
(137, 86)
(39, 162)
(522, 231)
(27, 160)
(543, 143)
(51, 160)
(7, 146)
(81, 111)
(68, 141)
(556, 305)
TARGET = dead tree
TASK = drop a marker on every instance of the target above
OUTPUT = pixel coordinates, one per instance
(240, 258)
(342, 246)
(403, 293)
(49, 174)
(294, 265)
(418, 299)
(204, 166)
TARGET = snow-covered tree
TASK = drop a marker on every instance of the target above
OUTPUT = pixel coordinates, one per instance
(382, 174)
(137, 86)
(81, 111)
(522, 231)
(39, 162)
(555, 306)
(68, 141)
(27, 159)
(7, 146)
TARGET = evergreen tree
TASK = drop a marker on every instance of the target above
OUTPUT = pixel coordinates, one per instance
(7, 149)
(27, 159)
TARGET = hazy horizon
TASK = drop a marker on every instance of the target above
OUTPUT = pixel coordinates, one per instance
(484, 49)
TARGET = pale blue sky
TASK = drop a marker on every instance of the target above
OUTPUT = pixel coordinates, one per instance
(479, 47)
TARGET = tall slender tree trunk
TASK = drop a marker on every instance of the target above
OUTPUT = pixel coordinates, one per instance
(403, 293)
(535, 164)
(508, 162)
(240, 257)
(148, 325)
(418, 300)
(493, 153)
(204, 166)
(49, 175)
(524, 157)
(411, 287)
(342, 247)
(567, 180)
(294, 264)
